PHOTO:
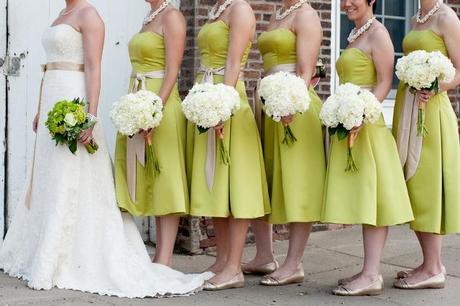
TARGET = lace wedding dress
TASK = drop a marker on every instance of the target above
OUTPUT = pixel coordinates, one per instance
(70, 233)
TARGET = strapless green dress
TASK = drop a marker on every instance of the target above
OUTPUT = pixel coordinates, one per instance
(375, 195)
(240, 189)
(434, 189)
(295, 173)
(167, 192)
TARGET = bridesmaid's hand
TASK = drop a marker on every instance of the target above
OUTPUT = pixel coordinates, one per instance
(425, 95)
(356, 129)
(219, 126)
(146, 133)
(35, 123)
(86, 136)
(286, 120)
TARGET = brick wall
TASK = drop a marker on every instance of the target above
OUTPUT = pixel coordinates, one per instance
(196, 234)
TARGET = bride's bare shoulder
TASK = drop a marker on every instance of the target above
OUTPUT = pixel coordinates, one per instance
(89, 17)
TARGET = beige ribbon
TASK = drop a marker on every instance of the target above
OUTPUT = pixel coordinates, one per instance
(66, 66)
(135, 145)
(409, 144)
(210, 163)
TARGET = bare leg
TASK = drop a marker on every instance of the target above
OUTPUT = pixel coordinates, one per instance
(167, 235)
(374, 239)
(221, 231)
(238, 229)
(298, 237)
(158, 242)
(432, 262)
(263, 233)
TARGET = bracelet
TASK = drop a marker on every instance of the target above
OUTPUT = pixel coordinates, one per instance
(91, 117)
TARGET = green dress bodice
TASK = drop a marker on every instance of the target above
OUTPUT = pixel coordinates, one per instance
(356, 67)
(277, 47)
(147, 52)
(213, 40)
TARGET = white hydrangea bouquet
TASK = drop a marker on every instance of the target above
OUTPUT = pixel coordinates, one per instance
(136, 112)
(207, 105)
(284, 94)
(422, 70)
(349, 107)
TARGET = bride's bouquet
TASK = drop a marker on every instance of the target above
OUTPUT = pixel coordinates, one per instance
(284, 94)
(349, 107)
(422, 70)
(67, 120)
(137, 112)
(208, 105)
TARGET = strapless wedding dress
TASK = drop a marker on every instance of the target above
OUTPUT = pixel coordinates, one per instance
(73, 235)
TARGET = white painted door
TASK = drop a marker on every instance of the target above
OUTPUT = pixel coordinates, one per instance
(2, 114)
(26, 22)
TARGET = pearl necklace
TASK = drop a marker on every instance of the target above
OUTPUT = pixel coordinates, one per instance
(425, 18)
(150, 16)
(356, 33)
(286, 13)
(212, 15)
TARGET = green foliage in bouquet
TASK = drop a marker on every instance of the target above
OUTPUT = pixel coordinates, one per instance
(66, 121)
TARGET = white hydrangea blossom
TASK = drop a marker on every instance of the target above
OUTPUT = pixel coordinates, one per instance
(137, 111)
(284, 94)
(350, 107)
(420, 69)
(207, 104)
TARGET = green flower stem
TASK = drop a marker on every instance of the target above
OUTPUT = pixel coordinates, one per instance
(92, 147)
(422, 131)
(153, 165)
(289, 137)
(351, 165)
(224, 154)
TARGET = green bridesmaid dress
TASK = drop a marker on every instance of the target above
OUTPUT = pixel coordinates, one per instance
(376, 195)
(434, 189)
(239, 189)
(165, 193)
(295, 173)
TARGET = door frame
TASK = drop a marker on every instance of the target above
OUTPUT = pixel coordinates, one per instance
(3, 112)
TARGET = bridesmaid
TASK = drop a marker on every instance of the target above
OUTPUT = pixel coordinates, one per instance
(292, 43)
(376, 196)
(436, 156)
(239, 192)
(156, 54)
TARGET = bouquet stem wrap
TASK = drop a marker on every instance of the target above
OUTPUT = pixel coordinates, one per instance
(136, 145)
(210, 164)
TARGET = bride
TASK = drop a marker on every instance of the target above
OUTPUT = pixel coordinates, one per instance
(67, 231)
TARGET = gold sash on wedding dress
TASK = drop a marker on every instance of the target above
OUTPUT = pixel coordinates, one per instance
(65, 66)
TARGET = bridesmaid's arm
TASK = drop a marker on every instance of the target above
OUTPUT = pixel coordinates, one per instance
(174, 37)
(383, 56)
(307, 27)
(449, 25)
(242, 25)
(93, 31)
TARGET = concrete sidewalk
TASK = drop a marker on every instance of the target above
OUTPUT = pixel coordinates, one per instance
(328, 257)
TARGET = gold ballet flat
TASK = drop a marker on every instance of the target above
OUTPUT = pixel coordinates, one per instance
(346, 280)
(407, 273)
(374, 288)
(436, 282)
(261, 269)
(295, 278)
(236, 282)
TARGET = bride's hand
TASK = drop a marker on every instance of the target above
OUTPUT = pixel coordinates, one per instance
(86, 136)
(286, 120)
(35, 123)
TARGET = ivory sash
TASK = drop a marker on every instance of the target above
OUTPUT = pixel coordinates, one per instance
(66, 66)
(409, 143)
(210, 163)
(135, 145)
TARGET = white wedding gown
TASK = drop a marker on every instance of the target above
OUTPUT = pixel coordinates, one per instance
(74, 236)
